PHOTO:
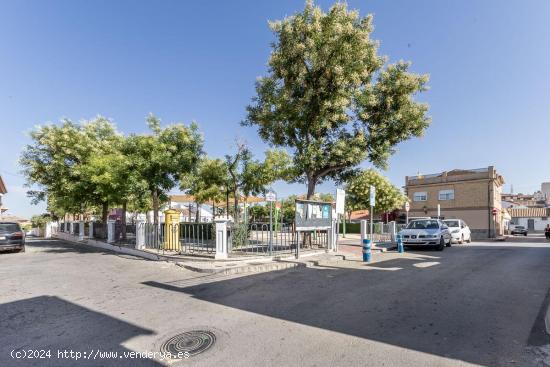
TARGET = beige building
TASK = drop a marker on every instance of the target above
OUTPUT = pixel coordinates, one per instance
(472, 195)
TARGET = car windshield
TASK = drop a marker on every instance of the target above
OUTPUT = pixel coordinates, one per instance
(452, 223)
(9, 227)
(423, 224)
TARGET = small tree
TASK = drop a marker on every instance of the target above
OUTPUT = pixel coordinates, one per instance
(207, 183)
(388, 196)
(161, 158)
(329, 98)
(247, 176)
(40, 221)
(258, 212)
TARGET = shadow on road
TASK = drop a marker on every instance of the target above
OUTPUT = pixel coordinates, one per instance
(457, 306)
(60, 247)
(53, 324)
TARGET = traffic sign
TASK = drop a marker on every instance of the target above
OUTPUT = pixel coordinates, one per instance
(340, 201)
(372, 195)
(495, 211)
(271, 196)
(407, 206)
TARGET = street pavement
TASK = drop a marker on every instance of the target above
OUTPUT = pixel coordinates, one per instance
(476, 304)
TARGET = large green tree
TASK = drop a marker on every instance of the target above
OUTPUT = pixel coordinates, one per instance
(56, 163)
(162, 157)
(331, 99)
(115, 182)
(388, 196)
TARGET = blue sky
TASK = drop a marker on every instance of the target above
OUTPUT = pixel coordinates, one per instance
(184, 61)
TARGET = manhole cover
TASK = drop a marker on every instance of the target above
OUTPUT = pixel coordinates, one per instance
(193, 342)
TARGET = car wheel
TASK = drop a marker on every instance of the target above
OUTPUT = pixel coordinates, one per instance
(441, 245)
(22, 249)
(450, 243)
(525, 234)
(461, 240)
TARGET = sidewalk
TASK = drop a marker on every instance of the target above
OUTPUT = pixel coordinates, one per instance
(203, 264)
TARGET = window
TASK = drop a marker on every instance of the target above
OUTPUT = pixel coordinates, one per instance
(423, 224)
(446, 194)
(420, 196)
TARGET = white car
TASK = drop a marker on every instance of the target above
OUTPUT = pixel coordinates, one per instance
(460, 232)
(426, 232)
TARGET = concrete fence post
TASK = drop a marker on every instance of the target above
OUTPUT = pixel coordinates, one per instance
(333, 237)
(81, 230)
(111, 231)
(71, 228)
(48, 230)
(140, 234)
(222, 251)
(91, 229)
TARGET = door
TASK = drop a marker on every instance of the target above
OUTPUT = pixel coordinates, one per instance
(531, 224)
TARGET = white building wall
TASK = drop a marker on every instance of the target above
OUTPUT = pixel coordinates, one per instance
(540, 224)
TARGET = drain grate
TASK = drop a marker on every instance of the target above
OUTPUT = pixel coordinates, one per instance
(191, 342)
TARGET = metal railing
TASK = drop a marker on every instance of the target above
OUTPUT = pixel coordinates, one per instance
(257, 239)
(125, 234)
(181, 238)
(100, 232)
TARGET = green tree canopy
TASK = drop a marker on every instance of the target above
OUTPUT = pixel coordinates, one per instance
(247, 176)
(388, 196)
(330, 98)
(160, 159)
(57, 163)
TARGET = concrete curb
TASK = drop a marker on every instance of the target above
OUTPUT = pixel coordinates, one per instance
(249, 268)
(244, 265)
(107, 246)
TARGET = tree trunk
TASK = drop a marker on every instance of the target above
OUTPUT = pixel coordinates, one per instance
(311, 182)
(198, 213)
(213, 210)
(155, 207)
(123, 219)
(227, 204)
(236, 206)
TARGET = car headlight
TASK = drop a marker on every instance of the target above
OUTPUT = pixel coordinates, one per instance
(456, 231)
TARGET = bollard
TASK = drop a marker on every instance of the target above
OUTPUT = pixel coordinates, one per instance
(366, 250)
(400, 248)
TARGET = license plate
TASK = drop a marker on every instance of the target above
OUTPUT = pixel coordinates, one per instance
(2, 238)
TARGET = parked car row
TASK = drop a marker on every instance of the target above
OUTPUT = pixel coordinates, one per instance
(436, 232)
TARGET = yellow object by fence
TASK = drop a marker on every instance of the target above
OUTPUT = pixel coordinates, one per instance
(171, 230)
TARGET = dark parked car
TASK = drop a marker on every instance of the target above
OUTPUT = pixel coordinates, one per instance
(519, 230)
(12, 237)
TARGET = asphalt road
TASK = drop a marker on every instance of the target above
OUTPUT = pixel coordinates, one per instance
(477, 304)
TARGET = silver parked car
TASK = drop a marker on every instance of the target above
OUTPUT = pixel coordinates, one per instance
(426, 232)
(460, 231)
